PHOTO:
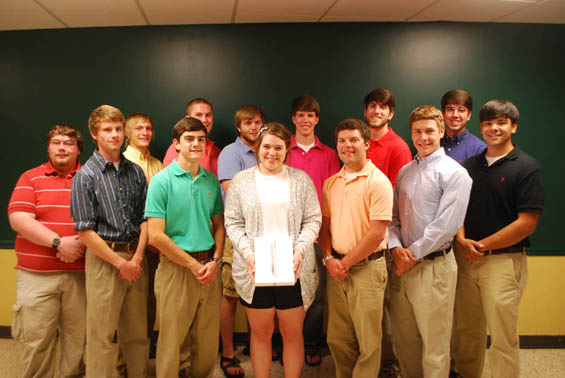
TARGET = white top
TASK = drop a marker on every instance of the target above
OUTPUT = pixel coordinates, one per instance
(306, 147)
(492, 160)
(274, 197)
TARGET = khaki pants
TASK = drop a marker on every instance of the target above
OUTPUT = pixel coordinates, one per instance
(422, 316)
(189, 317)
(47, 303)
(354, 321)
(115, 304)
(488, 294)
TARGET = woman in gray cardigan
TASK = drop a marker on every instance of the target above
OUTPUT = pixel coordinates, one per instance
(273, 199)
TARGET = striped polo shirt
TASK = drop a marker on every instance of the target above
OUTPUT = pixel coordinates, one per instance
(43, 192)
(111, 202)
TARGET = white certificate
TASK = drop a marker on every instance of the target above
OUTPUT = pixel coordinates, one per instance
(274, 261)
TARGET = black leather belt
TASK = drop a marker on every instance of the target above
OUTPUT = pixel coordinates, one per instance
(441, 252)
(130, 246)
(372, 256)
(504, 250)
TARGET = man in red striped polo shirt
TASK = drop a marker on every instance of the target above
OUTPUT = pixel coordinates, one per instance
(50, 279)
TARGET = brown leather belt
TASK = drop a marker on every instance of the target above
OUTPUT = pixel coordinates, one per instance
(504, 250)
(122, 246)
(433, 255)
(372, 256)
(202, 256)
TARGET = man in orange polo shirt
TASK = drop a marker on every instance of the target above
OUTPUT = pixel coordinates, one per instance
(356, 209)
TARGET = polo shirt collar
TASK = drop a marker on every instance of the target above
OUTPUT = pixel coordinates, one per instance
(317, 143)
(104, 163)
(431, 158)
(365, 171)
(50, 170)
(132, 150)
(242, 145)
(390, 134)
(458, 138)
(178, 171)
(512, 155)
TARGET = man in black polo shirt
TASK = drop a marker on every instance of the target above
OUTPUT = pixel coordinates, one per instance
(506, 202)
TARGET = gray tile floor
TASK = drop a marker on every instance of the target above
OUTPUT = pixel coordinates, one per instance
(535, 363)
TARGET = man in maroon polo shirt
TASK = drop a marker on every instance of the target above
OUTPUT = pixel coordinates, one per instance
(320, 162)
(51, 304)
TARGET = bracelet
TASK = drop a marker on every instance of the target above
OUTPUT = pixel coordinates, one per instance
(326, 259)
(218, 261)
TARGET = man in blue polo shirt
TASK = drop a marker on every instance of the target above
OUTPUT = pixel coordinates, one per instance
(186, 224)
(235, 157)
(458, 142)
(506, 202)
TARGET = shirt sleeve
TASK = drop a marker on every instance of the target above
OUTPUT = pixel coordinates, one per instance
(531, 191)
(157, 198)
(219, 203)
(333, 163)
(228, 164)
(326, 199)
(84, 207)
(170, 155)
(234, 220)
(142, 199)
(23, 196)
(394, 235)
(381, 199)
(399, 158)
(449, 217)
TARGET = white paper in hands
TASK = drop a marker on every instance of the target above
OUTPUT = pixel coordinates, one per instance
(274, 261)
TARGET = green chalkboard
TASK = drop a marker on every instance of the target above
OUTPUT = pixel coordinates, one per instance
(59, 76)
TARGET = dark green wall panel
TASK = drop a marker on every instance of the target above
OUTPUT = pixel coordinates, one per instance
(55, 76)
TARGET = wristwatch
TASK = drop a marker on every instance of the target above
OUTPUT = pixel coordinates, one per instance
(56, 242)
(326, 259)
(218, 261)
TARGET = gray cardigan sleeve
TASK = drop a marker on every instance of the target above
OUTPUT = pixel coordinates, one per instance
(234, 219)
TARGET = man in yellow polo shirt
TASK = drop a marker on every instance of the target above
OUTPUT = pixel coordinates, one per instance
(139, 134)
(356, 209)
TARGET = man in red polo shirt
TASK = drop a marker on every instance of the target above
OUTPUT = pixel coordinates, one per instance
(51, 297)
(389, 152)
(202, 110)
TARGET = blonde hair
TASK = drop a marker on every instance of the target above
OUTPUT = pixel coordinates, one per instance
(133, 120)
(104, 113)
(427, 112)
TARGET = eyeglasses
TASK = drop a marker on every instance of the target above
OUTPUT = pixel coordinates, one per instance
(66, 143)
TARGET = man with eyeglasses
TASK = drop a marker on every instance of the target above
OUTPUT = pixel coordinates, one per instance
(50, 307)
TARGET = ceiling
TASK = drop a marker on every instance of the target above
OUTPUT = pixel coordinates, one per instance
(49, 14)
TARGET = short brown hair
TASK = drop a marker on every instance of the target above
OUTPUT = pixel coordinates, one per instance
(457, 97)
(198, 100)
(382, 95)
(353, 124)
(305, 103)
(427, 112)
(104, 113)
(188, 124)
(273, 128)
(133, 120)
(247, 112)
(69, 131)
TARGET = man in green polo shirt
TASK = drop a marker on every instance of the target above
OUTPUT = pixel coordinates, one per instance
(186, 224)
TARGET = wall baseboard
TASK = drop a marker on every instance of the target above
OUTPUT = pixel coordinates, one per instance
(526, 341)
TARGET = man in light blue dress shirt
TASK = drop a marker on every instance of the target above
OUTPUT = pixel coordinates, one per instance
(430, 201)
